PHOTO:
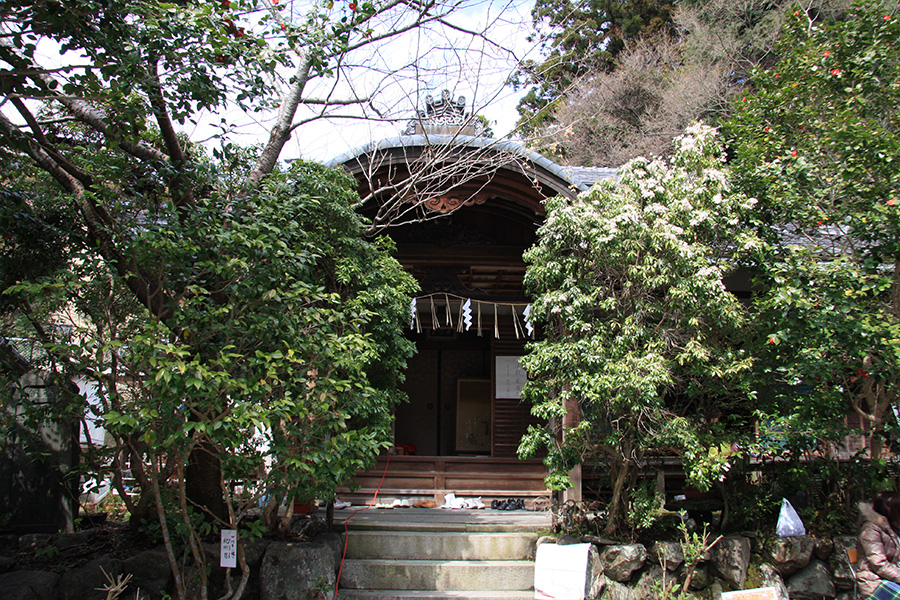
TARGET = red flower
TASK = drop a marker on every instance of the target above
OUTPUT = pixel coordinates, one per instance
(793, 153)
(352, 6)
(796, 13)
(892, 202)
(862, 373)
(835, 71)
(827, 53)
(771, 341)
(886, 18)
(820, 223)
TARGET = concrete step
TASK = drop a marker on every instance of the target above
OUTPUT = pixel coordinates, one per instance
(439, 575)
(448, 545)
(431, 595)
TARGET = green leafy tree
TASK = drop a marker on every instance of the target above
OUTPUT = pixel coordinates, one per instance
(817, 144)
(232, 315)
(640, 335)
(100, 99)
(289, 386)
(582, 39)
(658, 83)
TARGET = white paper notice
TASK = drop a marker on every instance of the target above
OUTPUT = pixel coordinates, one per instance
(228, 549)
(560, 572)
(511, 377)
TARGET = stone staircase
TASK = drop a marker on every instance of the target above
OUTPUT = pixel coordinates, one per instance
(439, 561)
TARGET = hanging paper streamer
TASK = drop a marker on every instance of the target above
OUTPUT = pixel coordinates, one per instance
(496, 324)
(447, 306)
(522, 325)
(516, 327)
(435, 321)
(479, 319)
(529, 326)
(467, 313)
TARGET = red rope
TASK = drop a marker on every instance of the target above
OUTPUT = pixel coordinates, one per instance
(337, 582)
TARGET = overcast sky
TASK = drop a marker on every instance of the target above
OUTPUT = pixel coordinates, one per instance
(447, 59)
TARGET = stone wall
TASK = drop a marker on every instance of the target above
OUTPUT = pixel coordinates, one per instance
(801, 568)
(282, 570)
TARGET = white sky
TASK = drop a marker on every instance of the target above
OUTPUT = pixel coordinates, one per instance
(447, 60)
(405, 70)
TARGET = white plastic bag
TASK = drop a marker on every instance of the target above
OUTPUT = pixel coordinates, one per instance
(789, 522)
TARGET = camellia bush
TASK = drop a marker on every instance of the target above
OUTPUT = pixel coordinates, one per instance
(640, 335)
(280, 361)
(818, 145)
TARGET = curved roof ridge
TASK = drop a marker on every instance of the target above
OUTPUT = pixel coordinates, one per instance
(568, 174)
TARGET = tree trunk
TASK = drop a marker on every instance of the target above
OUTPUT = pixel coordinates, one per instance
(620, 472)
(203, 482)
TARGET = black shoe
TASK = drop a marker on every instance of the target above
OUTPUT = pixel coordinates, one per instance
(495, 504)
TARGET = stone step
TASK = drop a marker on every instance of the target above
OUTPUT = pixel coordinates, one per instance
(455, 545)
(440, 575)
(431, 595)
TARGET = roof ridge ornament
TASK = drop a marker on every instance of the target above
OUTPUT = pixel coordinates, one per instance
(444, 115)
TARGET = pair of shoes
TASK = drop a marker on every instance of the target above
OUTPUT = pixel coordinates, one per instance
(339, 504)
(473, 503)
(401, 503)
(451, 501)
(509, 504)
(540, 504)
(425, 504)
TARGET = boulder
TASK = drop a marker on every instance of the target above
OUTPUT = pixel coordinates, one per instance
(33, 541)
(839, 563)
(771, 578)
(667, 554)
(595, 577)
(8, 543)
(613, 590)
(621, 560)
(652, 582)
(824, 548)
(296, 571)
(333, 541)
(66, 541)
(702, 578)
(87, 582)
(731, 558)
(790, 554)
(150, 572)
(29, 585)
(6, 563)
(813, 582)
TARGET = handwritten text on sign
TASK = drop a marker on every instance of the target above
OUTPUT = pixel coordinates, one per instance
(228, 549)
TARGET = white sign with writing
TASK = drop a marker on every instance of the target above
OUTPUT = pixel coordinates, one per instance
(228, 549)
(766, 593)
(511, 377)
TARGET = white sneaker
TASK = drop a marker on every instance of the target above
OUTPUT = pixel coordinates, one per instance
(339, 504)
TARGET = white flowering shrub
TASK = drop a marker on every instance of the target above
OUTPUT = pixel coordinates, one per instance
(639, 333)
